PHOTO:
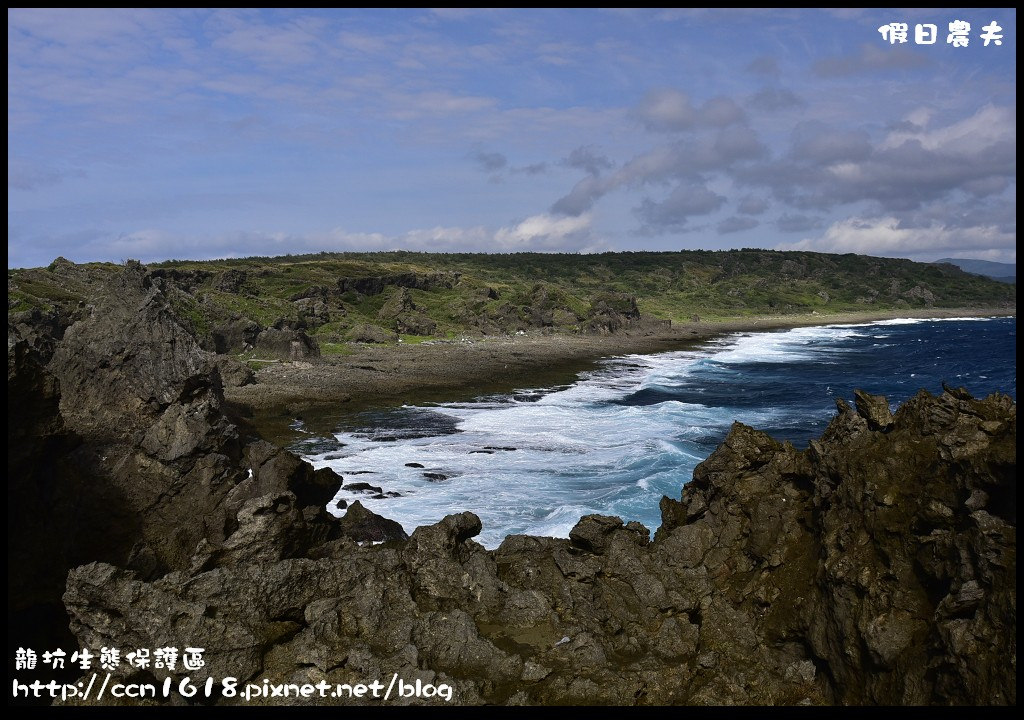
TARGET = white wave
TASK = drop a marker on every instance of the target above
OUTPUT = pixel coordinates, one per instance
(580, 449)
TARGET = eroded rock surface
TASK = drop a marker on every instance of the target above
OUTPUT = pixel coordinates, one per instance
(118, 445)
(874, 567)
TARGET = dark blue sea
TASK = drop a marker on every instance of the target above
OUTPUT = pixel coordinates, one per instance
(633, 430)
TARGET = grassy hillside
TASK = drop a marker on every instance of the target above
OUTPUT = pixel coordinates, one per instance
(336, 298)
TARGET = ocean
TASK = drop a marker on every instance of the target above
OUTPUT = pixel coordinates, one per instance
(633, 429)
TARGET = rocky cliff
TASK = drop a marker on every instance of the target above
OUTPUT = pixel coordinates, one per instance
(119, 449)
(875, 567)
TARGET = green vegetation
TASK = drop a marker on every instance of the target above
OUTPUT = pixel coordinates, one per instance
(336, 298)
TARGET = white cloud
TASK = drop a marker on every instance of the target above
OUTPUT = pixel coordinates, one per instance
(684, 159)
(988, 126)
(669, 110)
(546, 232)
(885, 236)
(537, 233)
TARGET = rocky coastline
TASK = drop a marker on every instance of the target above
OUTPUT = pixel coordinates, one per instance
(876, 567)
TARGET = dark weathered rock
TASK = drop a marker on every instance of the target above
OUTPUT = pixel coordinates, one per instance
(873, 567)
(365, 333)
(189, 279)
(326, 481)
(592, 533)
(122, 452)
(400, 302)
(401, 314)
(313, 292)
(230, 281)
(363, 487)
(275, 470)
(363, 525)
(235, 336)
(146, 399)
(416, 281)
(315, 308)
(415, 324)
(611, 312)
(60, 511)
(286, 344)
(874, 409)
(233, 372)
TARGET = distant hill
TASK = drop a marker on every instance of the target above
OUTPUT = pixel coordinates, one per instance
(307, 304)
(1004, 272)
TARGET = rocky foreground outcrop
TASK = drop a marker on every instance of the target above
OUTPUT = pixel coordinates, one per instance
(877, 566)
(118, 446)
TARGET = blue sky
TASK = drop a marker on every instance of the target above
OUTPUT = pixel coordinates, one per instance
(156, 134)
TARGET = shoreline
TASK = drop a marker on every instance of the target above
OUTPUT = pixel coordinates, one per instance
(387, 375)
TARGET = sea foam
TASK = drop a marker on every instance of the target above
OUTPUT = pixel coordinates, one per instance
(635, 428)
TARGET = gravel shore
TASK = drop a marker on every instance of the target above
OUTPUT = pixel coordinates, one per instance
(378, 375)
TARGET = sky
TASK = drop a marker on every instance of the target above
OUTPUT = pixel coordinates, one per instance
(193, 133)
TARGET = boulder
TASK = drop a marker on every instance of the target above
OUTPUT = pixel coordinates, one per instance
(872, 567)
(366, 333)
(234, 336)
(874, 409)
(363, 525)
(286, 344)
(611, 311)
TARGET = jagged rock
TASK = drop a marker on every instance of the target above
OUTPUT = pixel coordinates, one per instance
(920, 293)
(548, 306)
(611, 312)
(289, 323)
(836, 574)
(230, 281)
(286, 344)
(415, 324)
(126, 455)
(312, 292)
(315, 308)
(365, 333)
(233, 372)
(275, 470)
(61, 513)
(146, 398)
(400, 302)
(189, 279)
(401, 313)
(592, 532)
(363, 487)
(133, 610)
(415, 281)
(234, 336)
(875, 567)
(364, 525)
(149, 359)
(325, 480)
(874, 409)
(269, 529)
(182, 430)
